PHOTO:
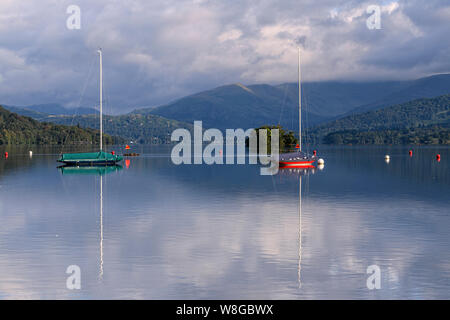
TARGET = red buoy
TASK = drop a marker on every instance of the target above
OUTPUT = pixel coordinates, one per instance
(297, 146)
(127, 163)
(410, 153)
(113, 153)
(314, 153)
(6, 155)
(438, 157)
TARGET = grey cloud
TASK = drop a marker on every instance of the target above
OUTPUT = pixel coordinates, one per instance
(157, 51)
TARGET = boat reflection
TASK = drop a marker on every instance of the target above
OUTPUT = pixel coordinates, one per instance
(298, 173)
(94, 170)
(101, 228)
(97, 171)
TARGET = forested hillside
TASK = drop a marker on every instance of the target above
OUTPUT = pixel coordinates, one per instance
(16, 129)
(422, 121)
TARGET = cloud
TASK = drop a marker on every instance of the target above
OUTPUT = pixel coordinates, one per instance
(155, 52)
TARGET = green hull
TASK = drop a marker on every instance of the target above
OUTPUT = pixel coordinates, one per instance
(100, 158)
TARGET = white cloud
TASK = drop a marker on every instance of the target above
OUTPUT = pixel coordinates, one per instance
(233, 34)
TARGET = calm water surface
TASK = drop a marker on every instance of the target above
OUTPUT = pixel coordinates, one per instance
(226, 232)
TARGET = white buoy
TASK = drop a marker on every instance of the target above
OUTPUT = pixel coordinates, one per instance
(320, 166)
(31, 154)
(386, 157)
(320, 161)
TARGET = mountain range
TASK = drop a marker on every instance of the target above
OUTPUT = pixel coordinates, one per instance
(241, 106)
(421, 121)
(38, 111)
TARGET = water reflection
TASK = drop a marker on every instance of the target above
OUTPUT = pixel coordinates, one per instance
(99, 171)
(89, 170)
(226, 231)
(298, 173)
(101, 227)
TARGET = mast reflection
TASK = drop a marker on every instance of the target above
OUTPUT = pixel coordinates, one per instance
(96, 171)
(298, 173)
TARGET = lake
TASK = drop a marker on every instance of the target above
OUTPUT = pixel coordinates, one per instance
(225, 231)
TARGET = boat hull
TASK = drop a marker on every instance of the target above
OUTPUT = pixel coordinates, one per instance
(297, 164)
(79, 163)
(100, 158)
(296, 159)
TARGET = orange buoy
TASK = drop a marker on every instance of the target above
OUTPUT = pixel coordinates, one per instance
(410, 153)
(127, 163)
(127, 147)
(297, 146)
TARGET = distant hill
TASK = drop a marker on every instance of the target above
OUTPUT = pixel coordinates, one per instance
(239, 106)
(235, 106)
(421, 121)
(138, 128)
(26, 112)
(410, 90)
(330, 99)
(408, 136)
(16, 129)
(42, 110)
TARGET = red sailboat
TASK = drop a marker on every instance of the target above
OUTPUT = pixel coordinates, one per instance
(297, 159)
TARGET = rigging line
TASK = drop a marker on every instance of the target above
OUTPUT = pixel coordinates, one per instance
(83, 91)
(293, 112)
(282, 106)
(105, 107)
(306, 122)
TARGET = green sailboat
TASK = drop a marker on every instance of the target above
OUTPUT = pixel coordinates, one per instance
(99, 158)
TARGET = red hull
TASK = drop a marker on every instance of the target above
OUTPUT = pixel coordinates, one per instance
(297, 164)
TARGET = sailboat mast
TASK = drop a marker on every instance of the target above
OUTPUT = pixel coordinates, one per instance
(101, 100)
(299, 104)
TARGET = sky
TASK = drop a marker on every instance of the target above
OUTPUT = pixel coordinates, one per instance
(158, 51)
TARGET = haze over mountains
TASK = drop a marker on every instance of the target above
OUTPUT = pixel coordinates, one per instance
(39, 111)
(240, 106)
